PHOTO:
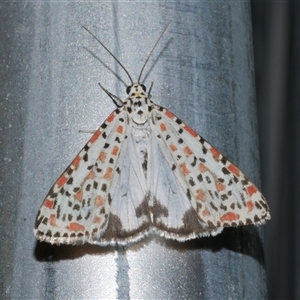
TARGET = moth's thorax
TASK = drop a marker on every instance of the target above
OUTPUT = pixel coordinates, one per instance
(138, 101)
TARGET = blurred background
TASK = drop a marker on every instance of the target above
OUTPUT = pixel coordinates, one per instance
(276, 55)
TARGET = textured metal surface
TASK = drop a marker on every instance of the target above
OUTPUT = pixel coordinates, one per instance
(202, 71)
(276, 28)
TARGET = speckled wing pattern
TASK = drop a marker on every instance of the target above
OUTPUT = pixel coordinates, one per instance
(77, 207)
(213, 192)
(143, 171)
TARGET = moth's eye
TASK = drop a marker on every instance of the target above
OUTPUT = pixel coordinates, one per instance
(143, 87)
(128, 89)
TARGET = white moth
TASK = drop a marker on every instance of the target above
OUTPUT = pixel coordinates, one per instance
(142, 171)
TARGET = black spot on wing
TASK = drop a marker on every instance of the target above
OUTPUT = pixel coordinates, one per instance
(200, 178)
(104, 187)
(223, 160)
(109, 198)
(188, 194)
(225, 171)
(58, 212)
(191, 182)
(76, 207)
(45, 221)
(38, 221)
(193, 164)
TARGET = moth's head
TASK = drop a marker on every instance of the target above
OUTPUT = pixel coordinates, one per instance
(136, 90)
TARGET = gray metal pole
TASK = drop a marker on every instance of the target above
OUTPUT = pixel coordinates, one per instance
(202, 71)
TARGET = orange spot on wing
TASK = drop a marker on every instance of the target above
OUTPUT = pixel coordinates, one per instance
(233, 169)
(110, 117)
(91, 175)
(184, 169)
(190, 131)
(62, 180)
(200, 195)
(52, 220)
(187, 151)
(108, 173)
(250, 205)
(115, 150)
(102, 156)
(75, 227)
(173, 147)
(76, 161)
(230, 216)
(97, 220)
(214, 152)
(220, 186)
(206, 213)
(78, 196)
(251, 190)
(95, 136)
(163, 127)
(48, 203)
(99, 201)
(120, 129)
(169, 114)
(202, 168)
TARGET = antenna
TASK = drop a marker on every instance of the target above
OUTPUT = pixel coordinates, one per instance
(152, 51)
(110, 52)
(145, 63)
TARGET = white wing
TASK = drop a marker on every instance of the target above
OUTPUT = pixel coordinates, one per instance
(173, 214)
(195, 190)
(129, 218)
(77, 207)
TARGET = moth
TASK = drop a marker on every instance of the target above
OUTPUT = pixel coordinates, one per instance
(145, 171)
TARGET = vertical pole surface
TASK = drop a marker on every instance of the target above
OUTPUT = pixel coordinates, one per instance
(202, 71)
